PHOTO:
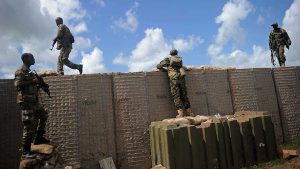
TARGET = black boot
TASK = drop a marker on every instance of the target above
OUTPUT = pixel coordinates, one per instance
(40, 139)
(27, 154)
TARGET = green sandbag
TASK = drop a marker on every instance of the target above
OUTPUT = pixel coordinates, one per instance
(197, 147)
(221, 145)
(168, 149)
(248, 143)
(210, 140)
(270, 137)
(259, 139)
(182, 148)
(236, 144)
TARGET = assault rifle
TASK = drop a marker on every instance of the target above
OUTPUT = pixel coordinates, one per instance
(42, 84)
(54, 41)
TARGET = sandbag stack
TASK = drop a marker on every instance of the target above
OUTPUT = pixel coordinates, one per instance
(201, 142)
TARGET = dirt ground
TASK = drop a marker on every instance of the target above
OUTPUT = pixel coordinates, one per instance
(289, 164)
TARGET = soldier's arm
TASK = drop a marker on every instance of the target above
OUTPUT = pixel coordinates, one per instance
(288, 40)
(270, 41)
(163, 63)
(60, 33)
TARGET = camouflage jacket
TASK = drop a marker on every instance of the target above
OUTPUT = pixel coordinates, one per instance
(63, 37)
(173, 72)
(27, 93)
(279, 37)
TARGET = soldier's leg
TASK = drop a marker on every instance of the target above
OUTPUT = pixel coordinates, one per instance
(65, 59)
(183, 95)
(184, 98)
(60, 68)
(175, 92)
(281, 55)
(29, 126)
(42, 115)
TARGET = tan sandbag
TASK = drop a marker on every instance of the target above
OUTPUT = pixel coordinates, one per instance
(42, 149)
(197, 119)
(44, 73)
(177, 121)
(158, 167)
(207, 67)
(28, 163)
(107, 163)
(287, 154)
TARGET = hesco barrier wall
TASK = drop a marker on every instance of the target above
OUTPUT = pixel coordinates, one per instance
(101, 115)
(10, 126)
(287, 81)
(254, 90)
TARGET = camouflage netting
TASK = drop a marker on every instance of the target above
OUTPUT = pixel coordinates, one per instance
(101, 115)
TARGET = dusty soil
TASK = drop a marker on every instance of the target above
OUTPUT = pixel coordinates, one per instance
(288, 164)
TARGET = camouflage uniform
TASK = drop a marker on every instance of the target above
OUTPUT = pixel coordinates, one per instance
(177, 84)
(279, 38)
(64, 44)
(32, 112)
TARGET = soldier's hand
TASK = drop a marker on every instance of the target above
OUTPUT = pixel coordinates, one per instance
(287, 46)
(35, 81)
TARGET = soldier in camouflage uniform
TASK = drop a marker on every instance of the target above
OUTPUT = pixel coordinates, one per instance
(279, 38)
(34, 116)
(173, 65)
(64, 41)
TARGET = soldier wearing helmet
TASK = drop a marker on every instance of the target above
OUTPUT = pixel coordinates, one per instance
(64, 40)
(279, 38)
(176, 73)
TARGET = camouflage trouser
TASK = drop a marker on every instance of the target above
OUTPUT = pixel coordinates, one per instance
(179, 93)
(34, 118)
(63, 59)
(280, 54)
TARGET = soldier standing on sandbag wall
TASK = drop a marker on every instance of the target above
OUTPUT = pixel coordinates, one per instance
(278, 38)
(64, 40)
(176, 72)
(32, 112)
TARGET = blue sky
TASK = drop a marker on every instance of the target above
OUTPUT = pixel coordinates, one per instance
(121, 36)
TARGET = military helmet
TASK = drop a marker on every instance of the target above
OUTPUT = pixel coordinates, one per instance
(274, 24)
(59, 20)
(173, 52)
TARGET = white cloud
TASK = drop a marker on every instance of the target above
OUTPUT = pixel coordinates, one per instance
(93, 62)
(291, 22)
(29, 26)
(185, 45)
(240, 59)
(233, 13)
(120, 60)
(260, 56)
(80, 27)
(67, 9)
(260, 20)
(153, 48)
(100, 2)
(130, 23)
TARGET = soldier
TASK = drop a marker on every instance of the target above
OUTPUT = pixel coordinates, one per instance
(64, 41)
(173, 65)
(279, 38)
(32, 112)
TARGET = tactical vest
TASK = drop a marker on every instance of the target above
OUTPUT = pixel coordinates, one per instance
(175, 61)
(278, 37)
(68, 38)
(27, 93)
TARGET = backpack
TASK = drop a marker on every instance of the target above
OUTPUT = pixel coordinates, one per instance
(175, 61)
(72, 40)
